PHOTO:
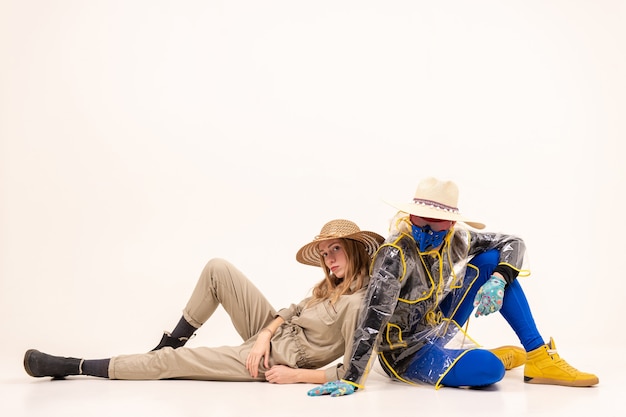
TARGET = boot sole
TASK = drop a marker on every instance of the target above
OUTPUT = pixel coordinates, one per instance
(27, 356)
(545, 381)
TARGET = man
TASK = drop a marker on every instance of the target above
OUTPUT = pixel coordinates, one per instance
(426, 279)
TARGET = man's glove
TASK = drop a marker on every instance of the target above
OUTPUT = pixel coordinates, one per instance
(489, 296)
(334, 388)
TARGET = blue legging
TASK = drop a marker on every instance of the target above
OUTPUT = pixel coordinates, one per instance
(476, 368)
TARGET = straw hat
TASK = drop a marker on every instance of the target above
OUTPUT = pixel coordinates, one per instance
(335, 229)
(436, 199)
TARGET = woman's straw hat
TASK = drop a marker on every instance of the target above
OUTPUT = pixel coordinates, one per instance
(335, 229)
(436, 199)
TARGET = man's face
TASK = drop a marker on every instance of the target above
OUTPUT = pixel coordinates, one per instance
(437, 225)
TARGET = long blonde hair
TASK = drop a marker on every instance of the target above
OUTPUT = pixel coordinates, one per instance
(357, 269)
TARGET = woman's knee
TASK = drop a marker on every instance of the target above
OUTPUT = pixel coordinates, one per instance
(223, 277)
(217, 269)
(217, 264)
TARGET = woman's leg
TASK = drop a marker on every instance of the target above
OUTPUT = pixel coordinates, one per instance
(202, 363)
(213, 364)
(222, 284)
(39, 364)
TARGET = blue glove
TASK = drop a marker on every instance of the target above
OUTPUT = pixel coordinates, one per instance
(489, 296)
(334, 388)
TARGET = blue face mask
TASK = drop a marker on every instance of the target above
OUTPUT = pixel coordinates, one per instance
(426, 238)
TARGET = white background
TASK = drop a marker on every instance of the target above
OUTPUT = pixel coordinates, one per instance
(139, 139)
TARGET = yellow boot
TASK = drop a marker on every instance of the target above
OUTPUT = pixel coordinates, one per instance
(545, 366)
(511, 356)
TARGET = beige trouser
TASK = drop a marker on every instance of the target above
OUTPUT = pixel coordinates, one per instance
(219, 283)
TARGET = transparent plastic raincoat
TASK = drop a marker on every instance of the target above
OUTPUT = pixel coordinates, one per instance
(408, 310)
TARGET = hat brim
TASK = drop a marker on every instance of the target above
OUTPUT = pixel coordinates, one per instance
(432, 212)
(309, 253)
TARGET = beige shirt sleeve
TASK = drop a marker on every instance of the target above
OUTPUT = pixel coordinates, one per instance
(293, 310)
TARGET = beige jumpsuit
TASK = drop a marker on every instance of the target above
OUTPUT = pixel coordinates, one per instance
(311, 337)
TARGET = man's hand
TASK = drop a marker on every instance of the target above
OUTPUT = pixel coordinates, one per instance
(334, 388)
(489, 296)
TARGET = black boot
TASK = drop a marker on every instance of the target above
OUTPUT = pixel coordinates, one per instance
(40, 364)
(183, 331)
(168, 341)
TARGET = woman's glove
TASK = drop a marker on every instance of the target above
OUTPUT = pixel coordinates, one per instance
(334, 388)
(489, 296)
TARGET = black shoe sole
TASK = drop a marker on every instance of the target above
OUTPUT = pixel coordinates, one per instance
(27, 356)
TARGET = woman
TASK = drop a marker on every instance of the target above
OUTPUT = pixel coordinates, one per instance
(288, 346)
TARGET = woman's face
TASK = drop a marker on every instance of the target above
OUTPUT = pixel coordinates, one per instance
(334, 255)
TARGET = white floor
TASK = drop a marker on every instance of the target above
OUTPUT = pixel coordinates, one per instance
(22, 395)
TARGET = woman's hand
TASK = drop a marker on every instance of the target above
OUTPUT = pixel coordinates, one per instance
(260, 350)
(281, 374)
